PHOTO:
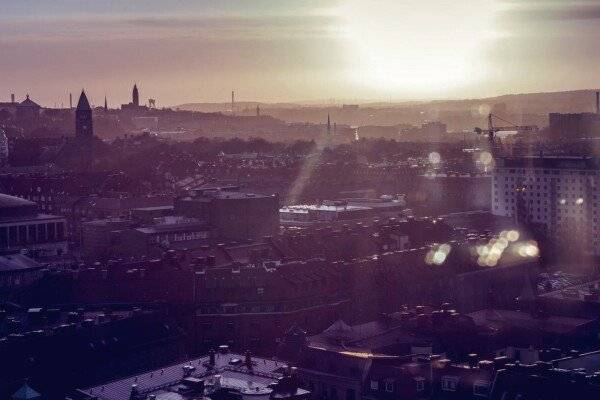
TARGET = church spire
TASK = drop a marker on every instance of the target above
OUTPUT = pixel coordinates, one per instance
(105, 104)
(328, 125)
(83, 103)
(135, 96)
(83, 117)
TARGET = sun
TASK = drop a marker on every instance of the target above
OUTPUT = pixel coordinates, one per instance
(417, 47)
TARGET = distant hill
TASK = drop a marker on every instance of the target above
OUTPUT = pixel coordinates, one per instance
(536, 103)
(458, 115)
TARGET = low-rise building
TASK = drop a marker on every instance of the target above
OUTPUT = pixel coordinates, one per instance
(217, 376)
(343, 210)
(23, 227)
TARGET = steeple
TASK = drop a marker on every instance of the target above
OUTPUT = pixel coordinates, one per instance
(83, 117)
(328, 125)
(83, 103)
(105, 104)
(135, 96)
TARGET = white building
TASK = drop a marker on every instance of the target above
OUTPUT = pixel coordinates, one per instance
(559, 194)
(343, 210)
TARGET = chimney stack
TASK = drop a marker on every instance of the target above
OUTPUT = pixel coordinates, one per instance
(597, 102)
(211, 357)
(232, 102)
(248, 359)
(12, 98)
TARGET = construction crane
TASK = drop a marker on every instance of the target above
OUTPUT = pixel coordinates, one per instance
(492, 130)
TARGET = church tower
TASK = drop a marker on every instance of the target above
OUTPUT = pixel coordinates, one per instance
(83, 118)
(135, 97)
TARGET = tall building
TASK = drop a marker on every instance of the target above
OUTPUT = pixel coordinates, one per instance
(134, 106)
(135, 97)
(83, 118)
(557, 194)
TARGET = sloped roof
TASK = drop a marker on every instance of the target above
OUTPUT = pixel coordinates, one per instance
(29, 103)
(339, 329)
(7, 201)
(15, 262)
(26, 393)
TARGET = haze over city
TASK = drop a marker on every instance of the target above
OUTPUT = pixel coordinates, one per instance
(281, 50)
(299, 200)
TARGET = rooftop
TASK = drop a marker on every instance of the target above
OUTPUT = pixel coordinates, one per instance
(550, 162)
(229, 371)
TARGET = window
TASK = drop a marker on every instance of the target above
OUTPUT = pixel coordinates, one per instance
(389, 386)
(374, 385)
(449, 383)
(481, 388)
(420, 383)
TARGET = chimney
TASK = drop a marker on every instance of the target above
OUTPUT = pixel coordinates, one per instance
(12, 98)
(248, 359)
(134, 394)
(211, 357)
(597, 102)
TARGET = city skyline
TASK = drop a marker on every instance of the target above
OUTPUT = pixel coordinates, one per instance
(287, 51)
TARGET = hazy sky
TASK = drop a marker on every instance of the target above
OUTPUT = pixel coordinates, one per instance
(278, 50)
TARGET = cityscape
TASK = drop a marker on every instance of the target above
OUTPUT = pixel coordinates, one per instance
(421, 232)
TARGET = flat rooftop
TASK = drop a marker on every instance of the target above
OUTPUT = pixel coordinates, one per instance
(230, 367)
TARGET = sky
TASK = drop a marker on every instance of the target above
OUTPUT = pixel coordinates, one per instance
(181, 51)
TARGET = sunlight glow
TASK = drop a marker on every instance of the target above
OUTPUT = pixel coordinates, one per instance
(418, 46)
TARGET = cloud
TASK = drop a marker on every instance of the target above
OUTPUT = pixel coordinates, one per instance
(532, 11)
(164, 27)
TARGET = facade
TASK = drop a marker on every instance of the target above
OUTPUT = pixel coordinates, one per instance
(557, 194)
(97, 238)
(231, 214)
(22, 227)
(17, 271)
(252, 306)
(163, 233)
(574, 124)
